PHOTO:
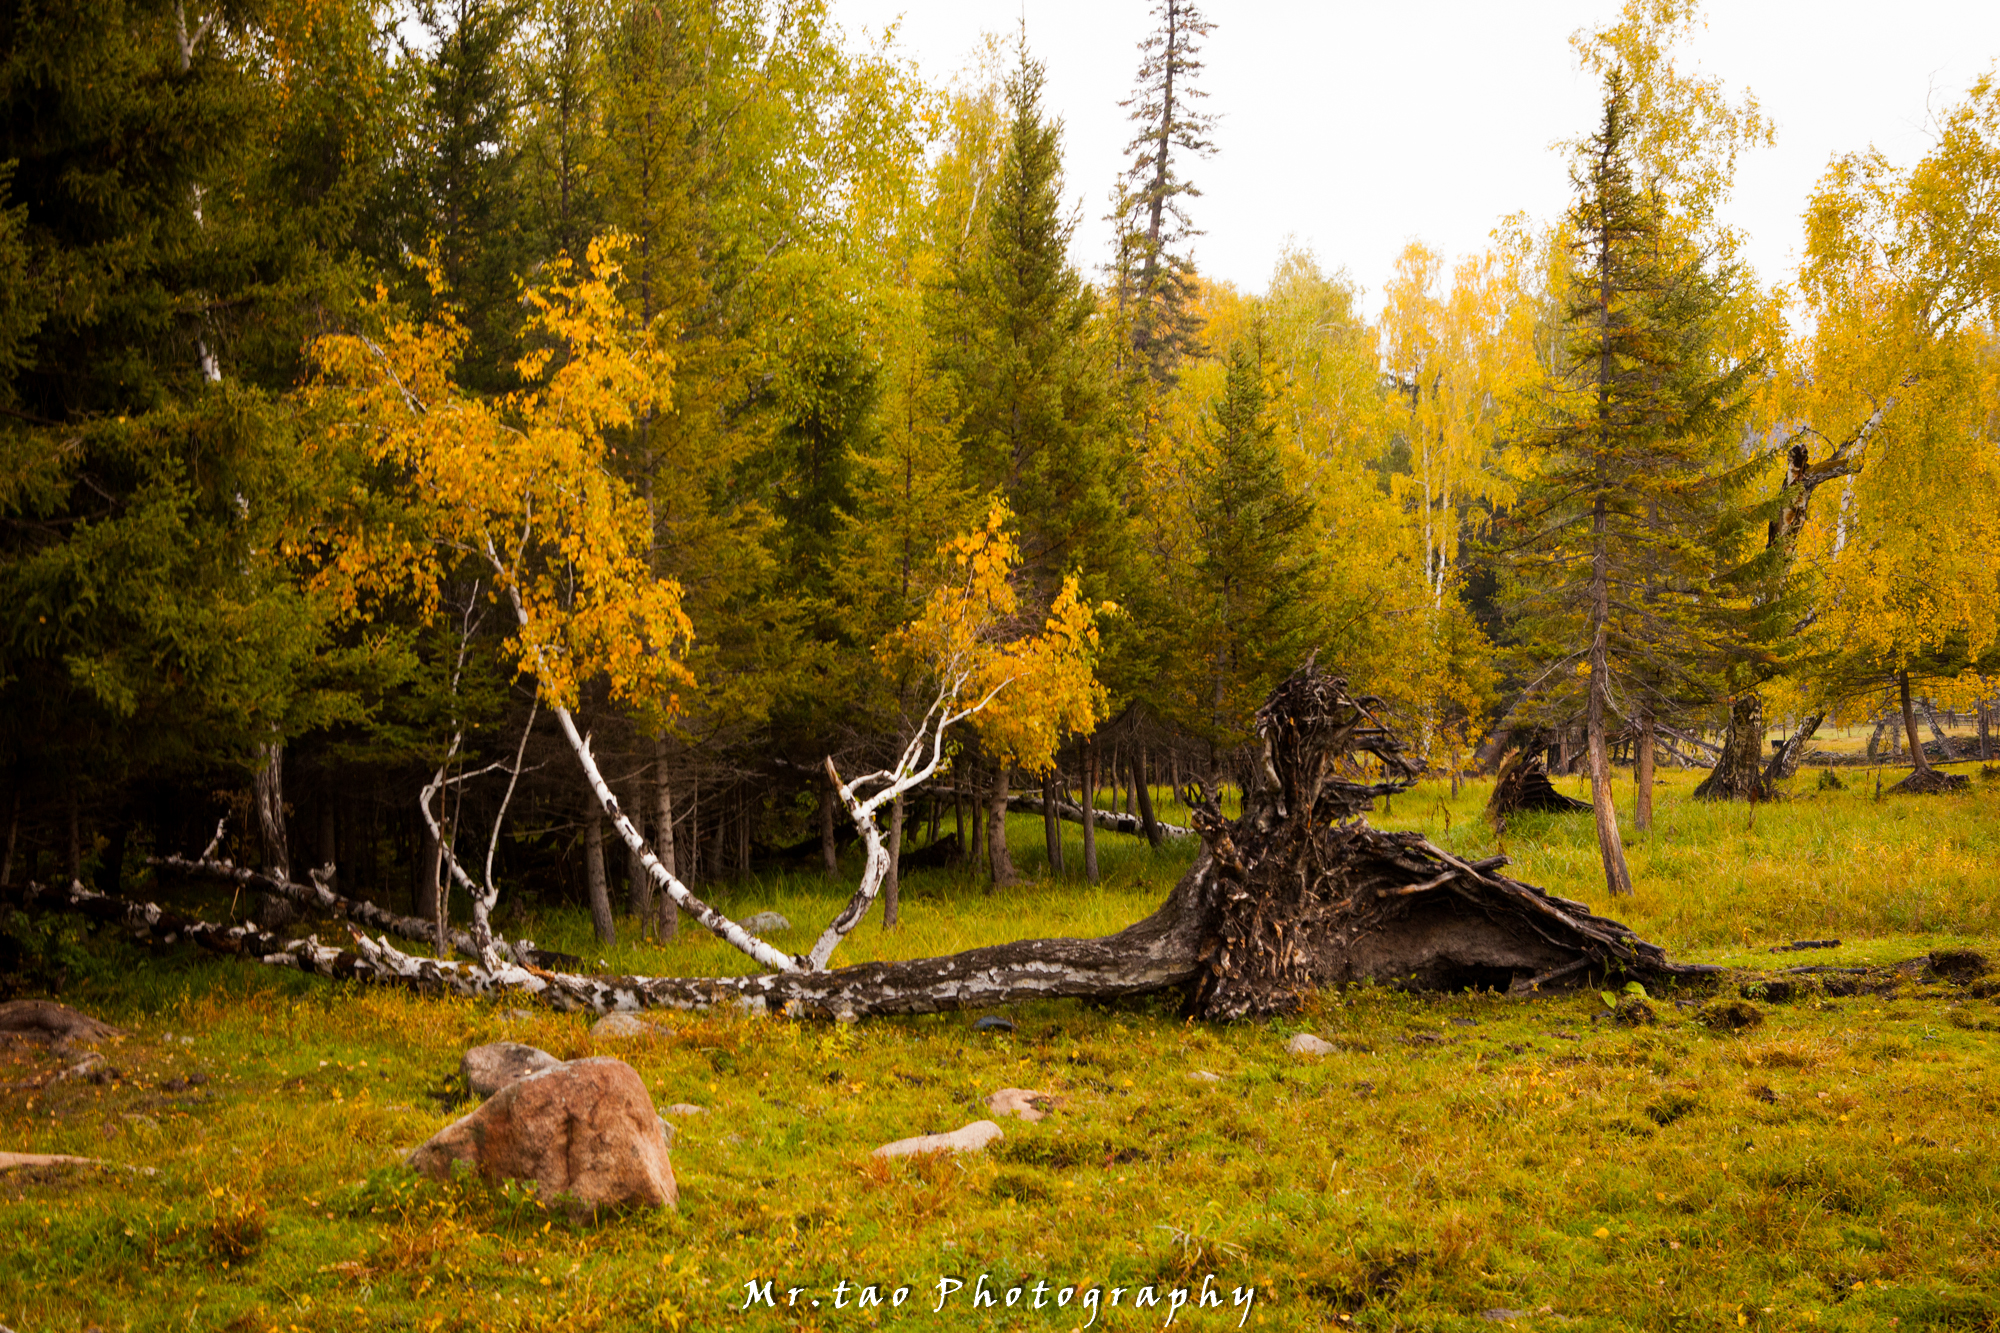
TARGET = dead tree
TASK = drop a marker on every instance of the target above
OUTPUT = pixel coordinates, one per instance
(1523, 785)
(1298, 893)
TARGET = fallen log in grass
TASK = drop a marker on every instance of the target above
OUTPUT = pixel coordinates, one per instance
(1297, 894)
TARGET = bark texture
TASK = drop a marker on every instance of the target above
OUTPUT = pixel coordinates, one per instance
(1523, 785)
(1738, 774)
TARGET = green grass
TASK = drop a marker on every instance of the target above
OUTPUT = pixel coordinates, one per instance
(1456, 1154)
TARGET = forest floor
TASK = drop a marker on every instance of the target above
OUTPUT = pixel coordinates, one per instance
(1457, 1162)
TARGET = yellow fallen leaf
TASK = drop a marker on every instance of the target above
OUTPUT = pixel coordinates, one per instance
(1601, 1232)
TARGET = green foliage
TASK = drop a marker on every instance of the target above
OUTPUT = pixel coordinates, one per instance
(1632, 504)
(1013, 332)
(1248, 617)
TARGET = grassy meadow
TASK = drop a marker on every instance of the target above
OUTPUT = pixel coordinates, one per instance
(1458, 1162)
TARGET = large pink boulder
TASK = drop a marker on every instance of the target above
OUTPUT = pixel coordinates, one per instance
(585, 1130)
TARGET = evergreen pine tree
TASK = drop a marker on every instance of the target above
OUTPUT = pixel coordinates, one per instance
(460, 188)
(1152, 269)
(1248, 619)
(1617, 534)
(1014, 329)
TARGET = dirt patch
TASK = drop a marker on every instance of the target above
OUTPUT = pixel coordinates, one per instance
(1730, 1015)
(1958, 966)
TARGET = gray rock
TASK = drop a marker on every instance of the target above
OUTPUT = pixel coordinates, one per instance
(1304, 1043)
(1204, 1076)
(686, 1108)
(622, 1024)
(489, 1068)
(765, 922)
(993, 1023)
(1028, 1103)
(970, 1138)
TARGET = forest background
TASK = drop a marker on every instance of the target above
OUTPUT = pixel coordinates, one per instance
(372, 382)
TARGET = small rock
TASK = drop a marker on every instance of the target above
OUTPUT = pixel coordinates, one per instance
(517, 1015)
(765, 922)
(1305, 1043)
(585, 1130)
(1026, 1103)
(686, 1108)
(621, 1024)
(1204, 1076)
(993, 1023)
(1500, 1316)
(489, 1068)
(971, 1138)
(14, 1161)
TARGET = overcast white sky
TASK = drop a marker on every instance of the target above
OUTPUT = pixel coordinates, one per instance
(1355, 127)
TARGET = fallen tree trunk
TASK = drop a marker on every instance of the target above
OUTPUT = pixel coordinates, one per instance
(1108, 821)
(320, 896)
(1785, 763)
(1297, 894)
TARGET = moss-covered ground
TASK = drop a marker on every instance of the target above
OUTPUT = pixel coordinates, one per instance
(1455, 1160)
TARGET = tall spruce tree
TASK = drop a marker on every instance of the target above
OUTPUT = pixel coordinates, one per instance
(1248, 618)
(1153, 271)
(1614, 540)
(1014, 329)
(460, 197)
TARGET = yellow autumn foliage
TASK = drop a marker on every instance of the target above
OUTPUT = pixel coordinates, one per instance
(516, 484)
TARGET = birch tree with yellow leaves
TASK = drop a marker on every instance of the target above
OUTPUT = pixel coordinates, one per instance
(1896, 382)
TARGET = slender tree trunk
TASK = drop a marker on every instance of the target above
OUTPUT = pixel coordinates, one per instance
(1985, 748)
(981, 851)
(1616, 877)
(440, 895)
(1141, 787)
(424, 875)
(329, 825)
(1051, 826)
(1917, 757)
(1945, 750)
(273, 911)
(829, 850)
(892, 884)
(601, 921)
(958, 818)
(14, 830)
(663, 829)
(1642, 802)
(270, 793)
(73, 866)
(1090, 751)
(996, 830)
(743, 834)
(111, 867)
(639, 880)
